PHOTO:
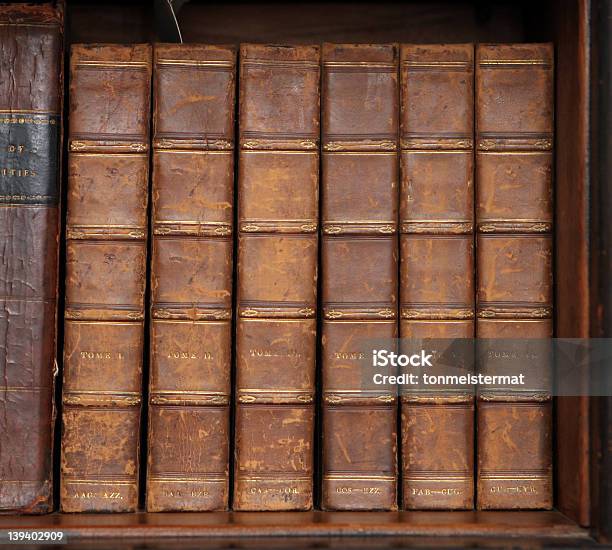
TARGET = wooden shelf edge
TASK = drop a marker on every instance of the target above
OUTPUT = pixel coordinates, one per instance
(141, 525)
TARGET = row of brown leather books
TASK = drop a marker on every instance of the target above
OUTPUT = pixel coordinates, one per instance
(356, 162)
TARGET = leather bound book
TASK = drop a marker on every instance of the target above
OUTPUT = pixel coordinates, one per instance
(277, 277)
(106, 252)
(191, 277)
(360, 172)
(514, 136)
(437, 266)
(31, 93)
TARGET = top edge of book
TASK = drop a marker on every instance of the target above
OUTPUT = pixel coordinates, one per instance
(278, 52)
(169, 52)
(136, 54)
(430, 53)
(44, 14)
(361, 53)
(524, 54)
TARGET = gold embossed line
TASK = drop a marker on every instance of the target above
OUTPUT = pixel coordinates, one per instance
(253, 390)
(429, 151)
(373, 477)
(512, 471)
(114, 155)
(513, 320)
(278, 226)
(331, 313)
(367, 64)
(255, 479)
(203, 479)
(112, 64)
(109, 231)
(188, 392)
(281, 63)
(359, 227)
(516, 477)
(14, 200)
(192, 228)
(365, 144)
(434, 63)
(191, 222)
(28, 111)
(248, 151)
(331, 150)
(359, 391)
(512, 62)
(436, 145)
(514, 226)
(192, 147)
(195, 63)
(357, 400)
(351, 222)
(250, 395)
(37, 481)
(437, 64)
(17, 389)
(436, 221)
(111, 147)
(518, 153)
(187, 399)
(109, 481)
(104, 392)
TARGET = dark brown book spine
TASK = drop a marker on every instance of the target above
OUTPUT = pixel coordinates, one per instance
(106, 252)
(600, 424)
(437, 266)
(278, 179)
(191, 277)
(360, 172)
(31, 92)
(514, 137)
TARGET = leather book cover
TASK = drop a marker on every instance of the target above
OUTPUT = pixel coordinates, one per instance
(31, 95)
(191, 277)
(278, 175)
(359, 255)
(437, 266)
(514, 300)
(106, 253)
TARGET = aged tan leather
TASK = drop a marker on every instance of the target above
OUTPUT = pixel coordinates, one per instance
(106, 255)
(360, 122)
(437, 425)
(191, 277)
(437, 265)
(277, 277)
(514, 136)
(31, 91)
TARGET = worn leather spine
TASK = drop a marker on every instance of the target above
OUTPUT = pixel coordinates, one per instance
(360, 172)
(278, 177)
(437, 267)
(191, 277)
(106, 252)
(31, 93)
(514, 140)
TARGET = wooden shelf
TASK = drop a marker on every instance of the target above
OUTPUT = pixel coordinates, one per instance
(544, 525)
